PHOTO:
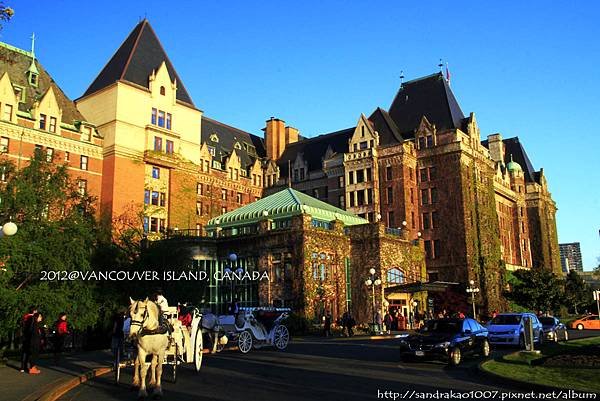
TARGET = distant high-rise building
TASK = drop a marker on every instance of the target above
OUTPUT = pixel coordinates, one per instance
(570, 257)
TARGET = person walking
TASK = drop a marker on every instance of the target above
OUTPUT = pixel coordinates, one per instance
(33, 342)
(378, 322)
(61, 331)
(388, 319)
(327, 325)
(25, 322)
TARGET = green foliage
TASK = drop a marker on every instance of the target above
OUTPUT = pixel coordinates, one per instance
(578, 293)
(297, 324)
(56, 232)
(6, 13)
(536, 289)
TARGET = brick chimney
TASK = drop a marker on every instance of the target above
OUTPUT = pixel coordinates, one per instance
(496, 147)
(274, 137)
(291, 135)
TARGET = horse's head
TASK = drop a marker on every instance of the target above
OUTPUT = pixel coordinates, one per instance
(140, 314)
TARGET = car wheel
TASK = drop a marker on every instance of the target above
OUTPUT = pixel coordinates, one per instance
(485, 349)
(455, 357)
(540, 338)
(566, 335)
(555, 338)
(580, 326)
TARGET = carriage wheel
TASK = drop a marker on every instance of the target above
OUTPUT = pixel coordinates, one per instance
(281, 337)
(245, 341)
(174, 365)
(198, 347)
(117, 366)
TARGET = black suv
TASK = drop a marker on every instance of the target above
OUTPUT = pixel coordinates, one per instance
(448, 340)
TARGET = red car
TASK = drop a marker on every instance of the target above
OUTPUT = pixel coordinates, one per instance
(587, 322)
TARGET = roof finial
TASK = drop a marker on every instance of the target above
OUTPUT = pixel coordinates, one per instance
(33, 45)
(441, 65)
(401, 77)
(289, 173)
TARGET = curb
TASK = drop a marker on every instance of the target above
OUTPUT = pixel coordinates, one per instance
(70, 384)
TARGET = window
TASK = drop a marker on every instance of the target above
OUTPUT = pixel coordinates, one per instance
(388, 173)
(437, 248)
(364, 145)
(341, 181)
(169, 118)
(239, 197)
(49, 154)
(412, 219)
(428, 254)
(391, 221)
(223, 194)
(161, 118)
(412, 196)
(82, 187)
(395, 276)
(295, 174)
(223, 209)
(423, 174)
(434, 196)
(162, 90)
(158, 144)
(424, 196)
(361, 198)
(4, 141)
(146, 197)
(434, 220)
(7, 112)
(146, 224)
(163, 199)
(42, 121)
(83, 162)
(52, 127)
(212, 151)
(155, 198)
(316, 193)
(3, 174)
(432, 173)
(369, 196)
(199, 189)
(33, 79)
(360, 176)
(302, 173)
(352, 202)
(390, 195)
(19, 93)
(153, 224)
(198, 208)
(170, 147)
(153, 118)
(342, 201)
(368, 177)
(87, 134)
(156, 172)
(351, 177)
(426, 221)
(429, 141)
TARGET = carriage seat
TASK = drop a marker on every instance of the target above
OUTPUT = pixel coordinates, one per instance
(266, 318)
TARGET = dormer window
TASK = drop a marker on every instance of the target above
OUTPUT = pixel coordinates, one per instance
(237, 146)
(19, 93)
(214, 138)
(86, 134)
(33, 79)
(42, 121)
(162, 90)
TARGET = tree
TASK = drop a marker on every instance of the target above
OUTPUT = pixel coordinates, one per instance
(536, 289)
(56, 233)
(578, 293)
(6, 13)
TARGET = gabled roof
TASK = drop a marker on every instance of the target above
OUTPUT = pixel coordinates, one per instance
(429, 96)
(385, 127)
(284, 204)
(136, 58)
(514, 148)
(228, 136)
(313, 149)
(16, 63)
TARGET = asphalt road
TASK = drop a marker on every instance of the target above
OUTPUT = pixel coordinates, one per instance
(307, 370)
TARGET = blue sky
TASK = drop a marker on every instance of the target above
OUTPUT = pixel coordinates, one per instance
(528, 69)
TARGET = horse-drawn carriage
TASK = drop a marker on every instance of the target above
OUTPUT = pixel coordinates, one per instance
(255, 327)
(169, 345)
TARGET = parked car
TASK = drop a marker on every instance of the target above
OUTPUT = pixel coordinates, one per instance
(587, 322)
(447, 340)
(508, 328)
(554, 330)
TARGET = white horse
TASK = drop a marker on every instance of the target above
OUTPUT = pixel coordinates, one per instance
(144, 323)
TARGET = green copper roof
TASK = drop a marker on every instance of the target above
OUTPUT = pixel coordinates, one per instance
(513, 165)
(282, 204)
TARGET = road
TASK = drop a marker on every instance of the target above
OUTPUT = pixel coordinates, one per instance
(307, 370)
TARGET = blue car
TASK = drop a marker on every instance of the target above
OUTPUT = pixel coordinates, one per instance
(508, 329)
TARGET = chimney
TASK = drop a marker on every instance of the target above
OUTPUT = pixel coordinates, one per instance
(275, 137)
(291, 135)
(496, 147)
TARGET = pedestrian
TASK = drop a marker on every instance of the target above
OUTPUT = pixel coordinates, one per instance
(117, 335)
(461, 315)
(401, 322)
(60, 334)
(351, 324)
(33, 342)
(25, 321)
(327, 325)
(378, 323)
(494, 313)
(388, 319)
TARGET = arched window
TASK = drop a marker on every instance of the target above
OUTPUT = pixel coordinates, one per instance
(162, 90)
(395, 276)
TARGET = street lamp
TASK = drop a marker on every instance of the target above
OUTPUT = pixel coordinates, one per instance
(414, 312)
(9, 229)
(229, 269)
(472, 290)
(372, 281)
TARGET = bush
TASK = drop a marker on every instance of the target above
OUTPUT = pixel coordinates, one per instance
(297, 324)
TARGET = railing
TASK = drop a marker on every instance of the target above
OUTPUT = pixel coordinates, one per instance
(393, 231)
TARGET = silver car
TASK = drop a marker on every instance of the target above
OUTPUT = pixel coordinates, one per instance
(508, 329)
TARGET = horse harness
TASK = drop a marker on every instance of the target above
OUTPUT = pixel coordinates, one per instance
(161, 329)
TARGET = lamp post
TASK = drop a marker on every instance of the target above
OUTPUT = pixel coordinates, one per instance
(229, 269)
(8, 229)
(372, 281)
(471, 289)
(414, 313)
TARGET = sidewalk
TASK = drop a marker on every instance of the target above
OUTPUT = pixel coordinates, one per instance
(356, 337)
(17, 386)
